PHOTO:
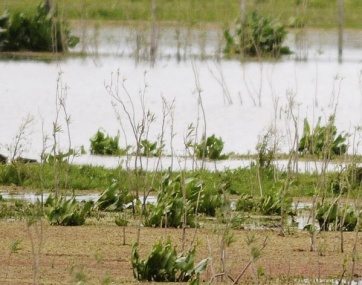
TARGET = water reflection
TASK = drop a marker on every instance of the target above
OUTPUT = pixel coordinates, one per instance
(253, 222)
(207, 43)
(34, 197)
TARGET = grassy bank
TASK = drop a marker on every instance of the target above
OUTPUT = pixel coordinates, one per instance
(246, 181)
(318, 14)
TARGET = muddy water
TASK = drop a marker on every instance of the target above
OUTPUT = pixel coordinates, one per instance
(241, 100)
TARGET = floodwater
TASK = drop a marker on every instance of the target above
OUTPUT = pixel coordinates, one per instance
(190, 84)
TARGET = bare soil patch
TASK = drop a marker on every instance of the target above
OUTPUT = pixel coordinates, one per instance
(95, 253)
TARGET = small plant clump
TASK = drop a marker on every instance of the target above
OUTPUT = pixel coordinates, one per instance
(171, 208)
(165, 265)
(211, 148)
(322, 140)
(267, 205)
(257, 36)
(331, 216)
(150, 149)
(103, 144)
(113, 198)
(66, 212)
(44, 32)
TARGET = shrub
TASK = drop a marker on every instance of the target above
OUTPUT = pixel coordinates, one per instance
(103, 144)
(257, 36)
(165, 265)
(211, 148)
(43, 32)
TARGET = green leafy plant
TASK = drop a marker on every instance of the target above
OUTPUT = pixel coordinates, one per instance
(165, 265)
(348, 219)
(245, 203)
(270, 205)
(43, 32)
(60, 157)
(332, 217)
(266, 150)
(172, 205)
(113, 198)
(103, 144)
(211, 148)
(148, 148)
(322, 140)
(65, 212)
(257, 36)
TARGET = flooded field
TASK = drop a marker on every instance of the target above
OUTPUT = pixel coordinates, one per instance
(241, 100)
(190, 89)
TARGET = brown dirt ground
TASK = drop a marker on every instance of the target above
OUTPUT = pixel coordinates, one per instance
(95, 253)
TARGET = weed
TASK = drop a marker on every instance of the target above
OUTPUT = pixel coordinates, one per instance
(14, 248)
(79, 275)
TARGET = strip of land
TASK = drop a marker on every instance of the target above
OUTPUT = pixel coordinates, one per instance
(311, 14)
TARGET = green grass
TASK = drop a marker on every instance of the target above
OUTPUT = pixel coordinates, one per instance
(319, 14)
(96, 179)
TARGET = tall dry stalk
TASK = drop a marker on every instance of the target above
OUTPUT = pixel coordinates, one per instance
(35, 230)
(55, 133)
(340, 28)
(140, 122)
(354, 253)
(43, 156)
(292, 164)
(202, 109)
(220, 79)
(242, 11)
(61, 116)
(16, 148)
(14, 248)
(154, 33)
